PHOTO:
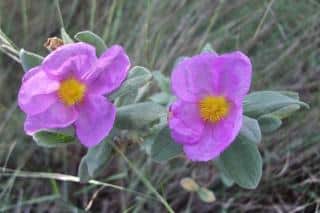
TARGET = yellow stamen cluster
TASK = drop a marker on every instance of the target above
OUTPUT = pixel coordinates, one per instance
(71, 91)
(213, 108)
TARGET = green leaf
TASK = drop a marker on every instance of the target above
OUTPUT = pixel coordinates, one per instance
(139, 71)
(83, 171)
(162, 81)
(260, 103)
(290, 94)
(242, 163)
(208, 49)
(164, 148)
(142, 93)
(286, 111)
(93, 39)
(95, 160)
(137, 78)
(29, 59)
(65, 37)
(161, 98)
(269, 123)
(250, 130)
(226, 180)
(53, 139)
(140, 115)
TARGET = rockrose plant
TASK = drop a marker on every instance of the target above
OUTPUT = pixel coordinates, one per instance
(83, 91)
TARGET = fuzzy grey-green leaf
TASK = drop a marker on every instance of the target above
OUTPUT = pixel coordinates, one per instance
(242, 163)
(93, 39)
(269, 123)
(260, 103)
(290, 94)
(250, 130)
(162, 81)
(161, 98)
(65, 36)
(137, 78)
(29, 59)
(140, 115)
(94, 161)
(285, 112)
(226, 180)
(164, 148)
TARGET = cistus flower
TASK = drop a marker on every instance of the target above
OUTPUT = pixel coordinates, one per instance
(207, 114)
(68, 88)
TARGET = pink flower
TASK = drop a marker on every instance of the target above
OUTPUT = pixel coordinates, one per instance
(68, 88)
(207, 115)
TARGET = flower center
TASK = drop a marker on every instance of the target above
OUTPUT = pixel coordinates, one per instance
(213, 108)
(71, 91)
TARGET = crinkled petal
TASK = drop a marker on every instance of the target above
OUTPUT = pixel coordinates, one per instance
(216, 137)
(37, 104)
(96, 118)
(83, 56)
(70, 69)
(37, 92)
(33, 71)
(185, 122)
(235, 72)
(109, 72)
(56, 116)
(195, 77)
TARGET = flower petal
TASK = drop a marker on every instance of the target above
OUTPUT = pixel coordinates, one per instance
(185, 122)
(31, 73)
(95, 120)
(82, 54)
(56, 116)
(195, 77)
(216, 138)
(109, 72)
(235, 72)
(37, 92)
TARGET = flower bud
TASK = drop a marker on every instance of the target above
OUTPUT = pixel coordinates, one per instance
(53, 43)
(189, 184)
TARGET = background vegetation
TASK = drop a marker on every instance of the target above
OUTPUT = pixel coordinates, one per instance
(282, 37)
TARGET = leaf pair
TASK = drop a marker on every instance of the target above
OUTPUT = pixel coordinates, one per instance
(270, 107)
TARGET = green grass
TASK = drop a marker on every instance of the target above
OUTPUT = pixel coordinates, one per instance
(282, 37)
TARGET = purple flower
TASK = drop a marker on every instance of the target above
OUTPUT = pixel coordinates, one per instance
(207, 115)
(68, 88)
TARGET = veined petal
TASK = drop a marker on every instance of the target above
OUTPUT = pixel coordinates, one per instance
(194, 77)
(109, 72)
(96, 118)
(185, 122)
(56, 116)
